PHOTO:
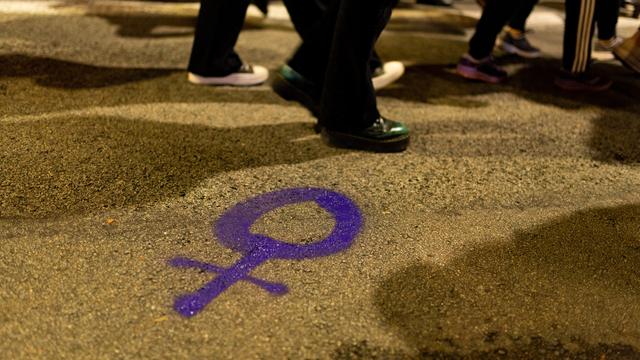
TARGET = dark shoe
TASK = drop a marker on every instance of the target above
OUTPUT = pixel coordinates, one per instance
(484, 70)
(383, 136)
(292, 86)
(582, 82)
(436, 2)
(518, 45)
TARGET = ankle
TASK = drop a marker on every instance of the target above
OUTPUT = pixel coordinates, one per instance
(475, 60)
(515, 33)
(608, 42)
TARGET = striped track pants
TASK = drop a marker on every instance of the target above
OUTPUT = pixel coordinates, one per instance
(578, 33)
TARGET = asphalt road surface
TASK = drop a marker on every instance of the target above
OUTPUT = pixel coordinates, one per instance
(509, 229)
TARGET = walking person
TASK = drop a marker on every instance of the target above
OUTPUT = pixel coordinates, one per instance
(330, 73)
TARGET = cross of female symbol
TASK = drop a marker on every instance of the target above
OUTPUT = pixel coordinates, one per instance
(233, 231)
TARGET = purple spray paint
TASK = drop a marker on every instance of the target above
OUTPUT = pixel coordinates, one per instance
(233, 231)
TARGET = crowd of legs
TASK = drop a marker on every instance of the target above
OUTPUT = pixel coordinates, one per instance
(335, 70)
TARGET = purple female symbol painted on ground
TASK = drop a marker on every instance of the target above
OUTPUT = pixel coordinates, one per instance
(233, 231)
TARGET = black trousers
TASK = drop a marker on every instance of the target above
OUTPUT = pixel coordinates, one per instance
(607, 14)
(219, 24)
(579, 28)
(495, 15)
(338, 39)
(305, 19)
(606, 17)
(519, 19)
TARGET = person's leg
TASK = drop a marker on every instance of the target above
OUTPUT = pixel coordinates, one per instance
(219, 24)
(330, 75)
(514, 39)
(576, 57)
(314, 25)
(578, 30)
(519, 19)
(495, 15)
(307, 16)
(348, 99)
(349, 113)
(478, 64)
(607, 13)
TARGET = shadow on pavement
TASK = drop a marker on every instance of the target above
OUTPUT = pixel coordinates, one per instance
(66, 85)
(536, 349)
(72, 165)
(152, 26)
(62, 74)
(157, 26)
(615, 138)
(532, 80)
(569, 288)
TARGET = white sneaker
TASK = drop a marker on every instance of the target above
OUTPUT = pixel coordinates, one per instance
(247, 76)
(387, 74)
(608, 45)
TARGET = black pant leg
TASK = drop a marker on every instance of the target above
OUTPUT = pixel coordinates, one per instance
(219, 24)
(607, 13)
(314, 23)
(577, 35)
(519, 19)
(495, 15)
(305, 14)
(375, 61)
(307, 17)
(348, 98)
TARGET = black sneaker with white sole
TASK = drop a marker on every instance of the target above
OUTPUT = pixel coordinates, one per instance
(247, 75)
(518, 45)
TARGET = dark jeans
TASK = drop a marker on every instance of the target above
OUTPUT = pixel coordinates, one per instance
(495, 15)
(519, 19)
(335, 53)
(219, 24)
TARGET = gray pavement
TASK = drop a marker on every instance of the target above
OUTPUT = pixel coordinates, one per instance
(509, 229)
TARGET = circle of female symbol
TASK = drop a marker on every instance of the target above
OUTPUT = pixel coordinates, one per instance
(233, 231)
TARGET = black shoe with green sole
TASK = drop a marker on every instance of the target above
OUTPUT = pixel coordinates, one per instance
(383, 136)
(292, 86)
